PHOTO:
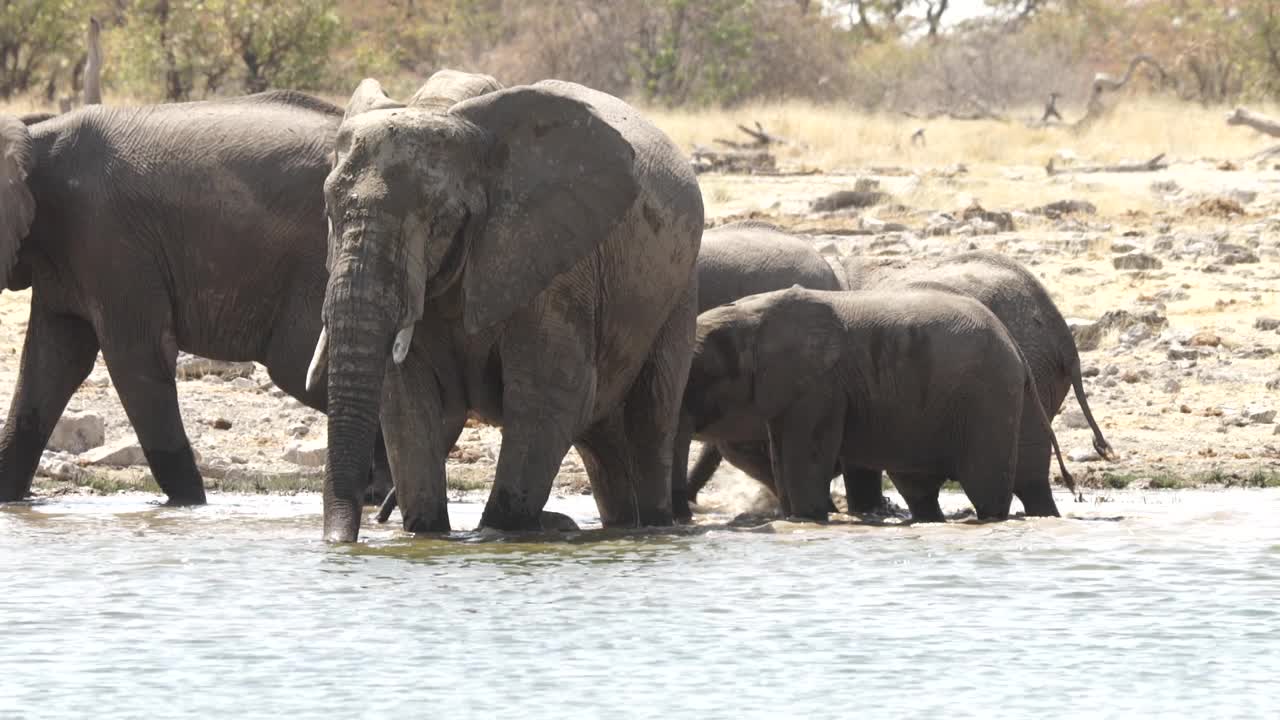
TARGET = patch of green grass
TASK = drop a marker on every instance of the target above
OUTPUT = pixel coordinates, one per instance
(1216, 476)
(1262, 479)
(1116, 481)
(1166, 481)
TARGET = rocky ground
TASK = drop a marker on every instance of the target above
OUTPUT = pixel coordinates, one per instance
(1170, 280)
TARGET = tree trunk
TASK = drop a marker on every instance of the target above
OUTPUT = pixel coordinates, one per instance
(93, 65)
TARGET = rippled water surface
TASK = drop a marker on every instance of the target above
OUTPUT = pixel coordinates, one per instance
(1154, 604)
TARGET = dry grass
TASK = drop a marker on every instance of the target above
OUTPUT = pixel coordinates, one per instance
(835, 139)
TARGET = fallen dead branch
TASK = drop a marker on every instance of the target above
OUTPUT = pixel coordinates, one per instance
(1154, 164)
(1262, 123)
(760, 138)
(749, 162)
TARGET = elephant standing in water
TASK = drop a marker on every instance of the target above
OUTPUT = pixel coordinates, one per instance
(528, 256)
(145, 231)
(1023, 305)
(736, 260)
(925, 384)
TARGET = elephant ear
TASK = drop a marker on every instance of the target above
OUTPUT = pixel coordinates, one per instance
(369, 96)
(561, 181)
(17, 206)
(446, 88)
(799, 342)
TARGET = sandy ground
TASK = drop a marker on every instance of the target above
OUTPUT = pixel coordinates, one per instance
(1184, 378)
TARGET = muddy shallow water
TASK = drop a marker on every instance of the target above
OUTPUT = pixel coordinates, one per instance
(1151, 604)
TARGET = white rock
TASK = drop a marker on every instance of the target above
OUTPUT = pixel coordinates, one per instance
(192, 366)
(1073, 419)
(62, 470)
(1083, 455)
(121, 453)
(78, 432)
(307, 453)
(1260, 415)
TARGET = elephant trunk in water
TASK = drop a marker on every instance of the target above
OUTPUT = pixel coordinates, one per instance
(361, 321)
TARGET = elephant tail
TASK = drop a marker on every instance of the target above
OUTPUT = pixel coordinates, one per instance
(1099, 443)
(1033, 394)
(388, 505)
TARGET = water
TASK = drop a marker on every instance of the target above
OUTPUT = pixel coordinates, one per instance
(1154, 605)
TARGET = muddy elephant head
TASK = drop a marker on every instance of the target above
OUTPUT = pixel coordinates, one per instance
(488, 201)
(754, 356)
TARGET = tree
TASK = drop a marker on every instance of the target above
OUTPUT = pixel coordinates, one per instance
(35, 39)
(283, 43)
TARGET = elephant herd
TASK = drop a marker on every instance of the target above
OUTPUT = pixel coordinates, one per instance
(531, 256)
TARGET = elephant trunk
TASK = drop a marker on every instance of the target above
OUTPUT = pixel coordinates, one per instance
(359, 336)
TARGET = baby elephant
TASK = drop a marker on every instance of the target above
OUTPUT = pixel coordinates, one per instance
(925, 384)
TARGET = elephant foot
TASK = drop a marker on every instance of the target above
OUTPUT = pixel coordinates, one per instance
(558, 522)
(752, 519)
(500, 514)
(177, 475)
(884, 507)
(436, 522)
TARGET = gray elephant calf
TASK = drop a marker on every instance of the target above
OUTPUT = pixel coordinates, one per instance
(737, 260)
(1023, 305)
(928, 385)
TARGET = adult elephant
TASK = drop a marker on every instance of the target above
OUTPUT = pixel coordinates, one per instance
(1021, 302)
(527, 256)
(736, 260)
(145, 231)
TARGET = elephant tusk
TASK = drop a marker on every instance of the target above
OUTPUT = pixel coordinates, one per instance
(400, 348)
(319, 360)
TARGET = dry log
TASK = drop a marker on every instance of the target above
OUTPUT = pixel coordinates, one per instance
(760, 138)
(1152, 165)
(1257, 121)
(733, 161)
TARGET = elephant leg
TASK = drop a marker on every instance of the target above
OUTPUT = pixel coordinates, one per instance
(920, 491)
(57, 356)
(804, 442)
(681, 492)
(863, 490)
(417, 432)
(704, 469)
(986, 472)
(631, 448)
(452, 430)
(548, 390)
(143, 373)
(1031, 475)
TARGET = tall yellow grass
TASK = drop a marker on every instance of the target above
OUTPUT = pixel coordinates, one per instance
(831, 138)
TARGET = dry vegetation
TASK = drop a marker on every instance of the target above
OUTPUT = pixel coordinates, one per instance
(831, 137)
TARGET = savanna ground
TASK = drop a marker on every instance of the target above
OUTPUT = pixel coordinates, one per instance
(1182, 371)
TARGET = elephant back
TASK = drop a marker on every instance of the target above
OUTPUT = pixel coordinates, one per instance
(750, 258)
